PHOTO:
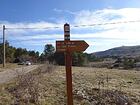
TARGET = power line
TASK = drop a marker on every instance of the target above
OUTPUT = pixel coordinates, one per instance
(99, 24)
(83, 25)
(33, 28)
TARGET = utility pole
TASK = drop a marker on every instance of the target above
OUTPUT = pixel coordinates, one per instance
(3, 45)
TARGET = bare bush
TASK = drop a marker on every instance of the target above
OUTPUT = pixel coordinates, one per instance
(102, 95)
(46, 68)
(102, 80)
(29, 87)
(95, 96)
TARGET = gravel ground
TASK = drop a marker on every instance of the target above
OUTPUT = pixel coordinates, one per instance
(7, 75)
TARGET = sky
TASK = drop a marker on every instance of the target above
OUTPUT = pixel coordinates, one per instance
(41, 14)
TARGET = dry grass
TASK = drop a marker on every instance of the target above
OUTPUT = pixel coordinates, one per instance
(109, 80)
(10, 66)
(91, 86)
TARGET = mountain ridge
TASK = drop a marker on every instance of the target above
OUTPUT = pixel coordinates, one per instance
(123, 51)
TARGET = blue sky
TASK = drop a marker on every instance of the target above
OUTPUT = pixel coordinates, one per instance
(54, 13)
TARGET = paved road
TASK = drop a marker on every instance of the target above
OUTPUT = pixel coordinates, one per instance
(8, 75)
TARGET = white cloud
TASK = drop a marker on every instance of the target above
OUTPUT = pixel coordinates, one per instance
(107, 15)
(109, 35)
(64, 11)
(128, 32)
(57, 10)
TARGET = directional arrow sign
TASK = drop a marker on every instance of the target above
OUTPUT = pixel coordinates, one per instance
(71, 46)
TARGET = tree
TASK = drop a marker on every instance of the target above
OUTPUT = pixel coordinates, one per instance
(9, 52)
(20, 51)
(34, 56)
(49, 49)
(59, 58)
(17, 54)
(128, 63)
(93, 58)
(1, 52)
(37, 54)
(49, 52)
(79, 58)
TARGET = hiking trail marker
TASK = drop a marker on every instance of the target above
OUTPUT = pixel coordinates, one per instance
(68, 47)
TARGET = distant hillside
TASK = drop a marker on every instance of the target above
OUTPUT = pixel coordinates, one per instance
(129, 51)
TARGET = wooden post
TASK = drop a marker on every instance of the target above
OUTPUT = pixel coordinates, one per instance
(68, 63)
(69, 47)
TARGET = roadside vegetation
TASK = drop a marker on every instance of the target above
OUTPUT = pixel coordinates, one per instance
(96, 80)
(10, 66)
(91, 86)
(20, 55)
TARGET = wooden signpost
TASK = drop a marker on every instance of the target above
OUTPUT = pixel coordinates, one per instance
(69, 47)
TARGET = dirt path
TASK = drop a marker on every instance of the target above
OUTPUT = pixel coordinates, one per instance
(7, 75)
